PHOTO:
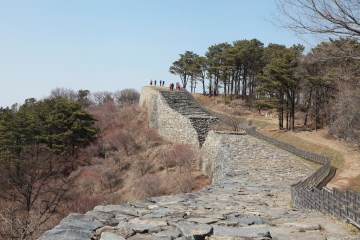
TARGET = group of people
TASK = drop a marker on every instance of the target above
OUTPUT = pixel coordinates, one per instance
(178, 86)
(161, 83)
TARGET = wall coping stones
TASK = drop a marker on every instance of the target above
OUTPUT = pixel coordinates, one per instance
(231, 132)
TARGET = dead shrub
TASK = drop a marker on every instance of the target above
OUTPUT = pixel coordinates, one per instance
(233, 122)
(167, 158)
(90, 152)
(143, 165)
(111, 179)
(149, 186)
(81, 203)
(185, 182)
(177, 182)
(128, 113)
(185, 156)
(123, 139)
(105, 115)
(150, 138)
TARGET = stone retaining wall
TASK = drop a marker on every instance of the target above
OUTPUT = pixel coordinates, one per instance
(215, 162)
(209, 153)
(170, 124)
(304, 194)
(184, 103)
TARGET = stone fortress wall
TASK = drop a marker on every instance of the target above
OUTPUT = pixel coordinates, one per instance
(305, 194)
(170, 124)
(248, 198)
(176, 115)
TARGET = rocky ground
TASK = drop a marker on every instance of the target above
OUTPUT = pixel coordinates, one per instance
(251, 201)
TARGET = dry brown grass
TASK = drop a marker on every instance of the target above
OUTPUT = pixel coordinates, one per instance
(336, 158)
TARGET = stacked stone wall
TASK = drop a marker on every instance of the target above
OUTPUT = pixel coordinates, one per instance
(304, 194)
(214, 161)
(209, 154)
(170, 124)
(184, 103)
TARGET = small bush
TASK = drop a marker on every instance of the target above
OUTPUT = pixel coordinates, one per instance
(149, 185)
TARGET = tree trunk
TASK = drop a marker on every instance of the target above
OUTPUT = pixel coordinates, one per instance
(291, 108)
(293, 112)
(244, 86)
(287, 116)
(281, 113)
(308, 107)
(232, 83)
(316, 110)
(203, 86)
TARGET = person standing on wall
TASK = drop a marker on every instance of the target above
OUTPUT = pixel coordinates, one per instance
(151, 82)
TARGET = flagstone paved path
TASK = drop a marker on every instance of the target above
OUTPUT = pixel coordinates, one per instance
(250, 201)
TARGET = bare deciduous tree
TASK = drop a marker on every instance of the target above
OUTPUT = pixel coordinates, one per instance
(127, 96)
(102, 97)
(185, 156)
(234, 122)
(144, 165)
(125, 140)
(65, 93)
(346, 117)
(32, 192)
(325, 17)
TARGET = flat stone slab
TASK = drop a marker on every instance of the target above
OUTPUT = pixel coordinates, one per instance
(194, 231)
(147, 237)
(125, 229)
(144, 226)
(111, 236)
(173, 233)
(73, 227)
(203, 220)
(255, 231)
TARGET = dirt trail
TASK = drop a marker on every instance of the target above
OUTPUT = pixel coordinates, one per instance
(349, 173)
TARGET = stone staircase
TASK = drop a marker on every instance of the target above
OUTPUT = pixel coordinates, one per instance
(184, 103)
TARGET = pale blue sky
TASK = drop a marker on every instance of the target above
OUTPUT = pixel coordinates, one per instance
(115, 44)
